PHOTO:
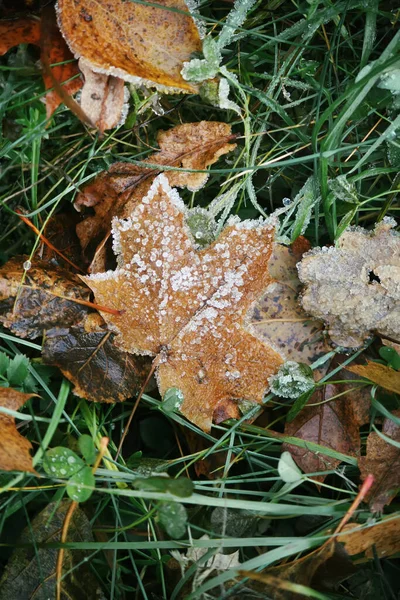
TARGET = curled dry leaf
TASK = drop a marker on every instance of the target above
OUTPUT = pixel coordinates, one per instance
(383, 461)
(355, 287)
(380, 374)
(381, 539)
(332, 423)
(103, 98)
(38, 299)
(138, 43)
(31, 571)
(31, 31)
(87, 356)
(279, 319)
(188, 307)
(117, 191)
(14, 448)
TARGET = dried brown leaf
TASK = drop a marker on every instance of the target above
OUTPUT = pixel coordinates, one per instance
(102, 98)
(279, 319)
(60, 232)
(36, 300)
(355, 287)
(14, 448)
(188, 308)
(380, 374)
(138, 43)
(87, 356)
(117, 191)
(383, 461)
(334, 424)
(381, 539)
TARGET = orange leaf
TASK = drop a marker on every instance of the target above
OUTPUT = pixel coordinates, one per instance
(382, 375)
(188, 307)
(138, 43)
(48, 37)
(381, 539)
(14, 448)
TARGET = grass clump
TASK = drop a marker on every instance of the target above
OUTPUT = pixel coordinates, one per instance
(314, 88)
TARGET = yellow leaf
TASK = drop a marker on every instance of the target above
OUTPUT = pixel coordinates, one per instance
(382, 375)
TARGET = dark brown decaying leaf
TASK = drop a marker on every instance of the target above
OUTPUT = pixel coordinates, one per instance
(36, 300)
(30, 31)
(102, 98)
(87, 356)
(380, 374)
(188, 307)
(117, 191)
(31, 571)
(278, 317)
(334, 424)
(355, 287)
(60, 231)
(14, 448)
(138, 43)
(383, 461)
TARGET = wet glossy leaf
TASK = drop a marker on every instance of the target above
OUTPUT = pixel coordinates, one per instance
(61, 462)
(78, 487)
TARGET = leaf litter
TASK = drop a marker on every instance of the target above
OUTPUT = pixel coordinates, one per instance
(14, 448)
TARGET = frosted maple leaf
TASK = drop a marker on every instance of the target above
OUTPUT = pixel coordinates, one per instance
(189, 308)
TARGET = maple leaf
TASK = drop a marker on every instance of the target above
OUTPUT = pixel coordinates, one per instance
(334, 424)
(115, 192)
(383, 461)
(138, 43)
(188, 307)
(355, 287)
(53, 49)
(14, 448)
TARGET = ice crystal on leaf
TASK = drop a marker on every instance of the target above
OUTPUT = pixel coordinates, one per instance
(189, 308)
(292, 380)
(355, 287)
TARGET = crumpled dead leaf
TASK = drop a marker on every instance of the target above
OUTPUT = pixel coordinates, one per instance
(355, 287)
(278, 317)
(31, 31)
(383, 461)
(38, 299)
(137, 43)
(380, 539)
(117, 191)
(103, 98)
(88, 357)
(334, 424)
(14, 448)
(380, 374)
(31, 571)
(188, 308)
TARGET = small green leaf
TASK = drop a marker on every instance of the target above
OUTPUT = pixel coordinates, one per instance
(62, 462)
(390, 356)
(288, 471)
(173, 517)
(298, 405)
(152, 484)
(84, 477)
(4, 362)
(18, 370)
(87, 448)
(181, 487)
(172, 399)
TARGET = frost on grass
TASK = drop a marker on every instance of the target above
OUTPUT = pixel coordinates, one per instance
(292, 380)
(355, 287)
(187, 307)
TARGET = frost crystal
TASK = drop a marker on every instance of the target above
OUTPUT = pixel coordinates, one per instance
(292, 380)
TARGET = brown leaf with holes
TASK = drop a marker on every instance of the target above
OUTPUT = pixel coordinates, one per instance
(117, 191)
(188, 308)
(379, 539)
(14, 448)
(279, 319)
(355, 286)
(87, 356)
(38, 299)
(102, 98)
(383, 461)
(380, 374)
(138, 43)
(332, 423)
(51, 42)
